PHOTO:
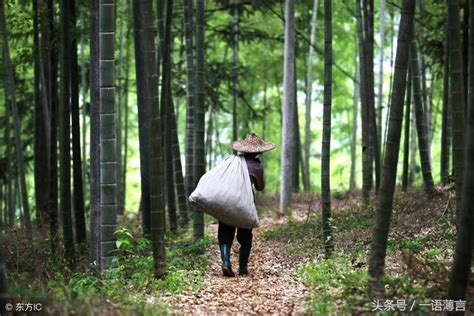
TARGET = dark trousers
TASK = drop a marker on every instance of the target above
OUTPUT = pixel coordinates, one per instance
(225, 235)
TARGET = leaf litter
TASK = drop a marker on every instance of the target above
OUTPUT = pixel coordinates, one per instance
(272, 286)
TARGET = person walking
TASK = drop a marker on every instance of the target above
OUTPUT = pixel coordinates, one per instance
(250, 148)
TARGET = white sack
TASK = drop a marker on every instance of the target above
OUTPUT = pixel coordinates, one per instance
(225, 192)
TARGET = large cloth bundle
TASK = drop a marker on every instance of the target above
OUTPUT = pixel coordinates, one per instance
(225, 192)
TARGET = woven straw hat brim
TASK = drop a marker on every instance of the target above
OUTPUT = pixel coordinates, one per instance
(245, 146)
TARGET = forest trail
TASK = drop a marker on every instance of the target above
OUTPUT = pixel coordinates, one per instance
(272, 286)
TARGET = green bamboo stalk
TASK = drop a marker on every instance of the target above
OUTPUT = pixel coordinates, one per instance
(406, 137)
(446, 114)
(4, 297)
(199, 153)
(125, 137)
(157, 225)
(65, 140)
(366, 157)
(421, 128)
(41, 137)
(120, 109)
(143, 120)
(190, 95)
(463, 252)
(457, 101)
(53, 156)
(166, 105)
(108, 137)
(326, 144)
(16, 121)
(79, 208)
(389, 172)
(289, 91)
(308, 100)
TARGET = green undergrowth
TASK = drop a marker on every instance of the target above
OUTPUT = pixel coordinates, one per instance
(339, 285)
(298, 237)
(419, 254)
(129, 288)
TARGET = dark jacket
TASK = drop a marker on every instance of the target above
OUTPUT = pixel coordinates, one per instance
(255, 168)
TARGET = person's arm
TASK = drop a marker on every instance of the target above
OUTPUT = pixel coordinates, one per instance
(255, 169)
(258, 182)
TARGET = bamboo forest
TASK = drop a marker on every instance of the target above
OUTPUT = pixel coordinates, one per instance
(209, 157)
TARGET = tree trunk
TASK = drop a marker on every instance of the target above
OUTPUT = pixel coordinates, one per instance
(326, 144)
(235, 70)
(83, 103)
(16, 121)
(463, 252)
(209, 139)
(387, 188)
(177, 166)
(17, 200)
(41, 154)
(383, 144)
(126, 110)
(406, 137)
(309, 100)
(170, 188)
(373, 146)
(107, 139)
(166, 104)
(373, 134)
(190, 95)
(53, 167)
(144, 14)
(44, 53)
(265, 105)
(295, 145)
(427, 106)
(4, 297)
(9, 210)
(178, 172)
(160, 20)
(366, 156)
(352, 181)
(118, 125)
(10, 197)
(381, 57)
(76, 134)
(289, 91)
(65, 128)
(143, 118)
(413, 165)
(464, 25)
(199, 153)
(94, 134)
(421, 128)
(456, 86)
(446, 114)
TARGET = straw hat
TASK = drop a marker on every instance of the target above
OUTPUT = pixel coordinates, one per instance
(252, 144)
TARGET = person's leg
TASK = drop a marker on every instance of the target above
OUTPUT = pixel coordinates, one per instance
(225, 235)
(244, 237)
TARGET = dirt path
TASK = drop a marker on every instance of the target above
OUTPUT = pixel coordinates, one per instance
(272, 286)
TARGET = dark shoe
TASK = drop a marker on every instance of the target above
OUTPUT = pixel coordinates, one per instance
(244, 254)
(225, 256)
